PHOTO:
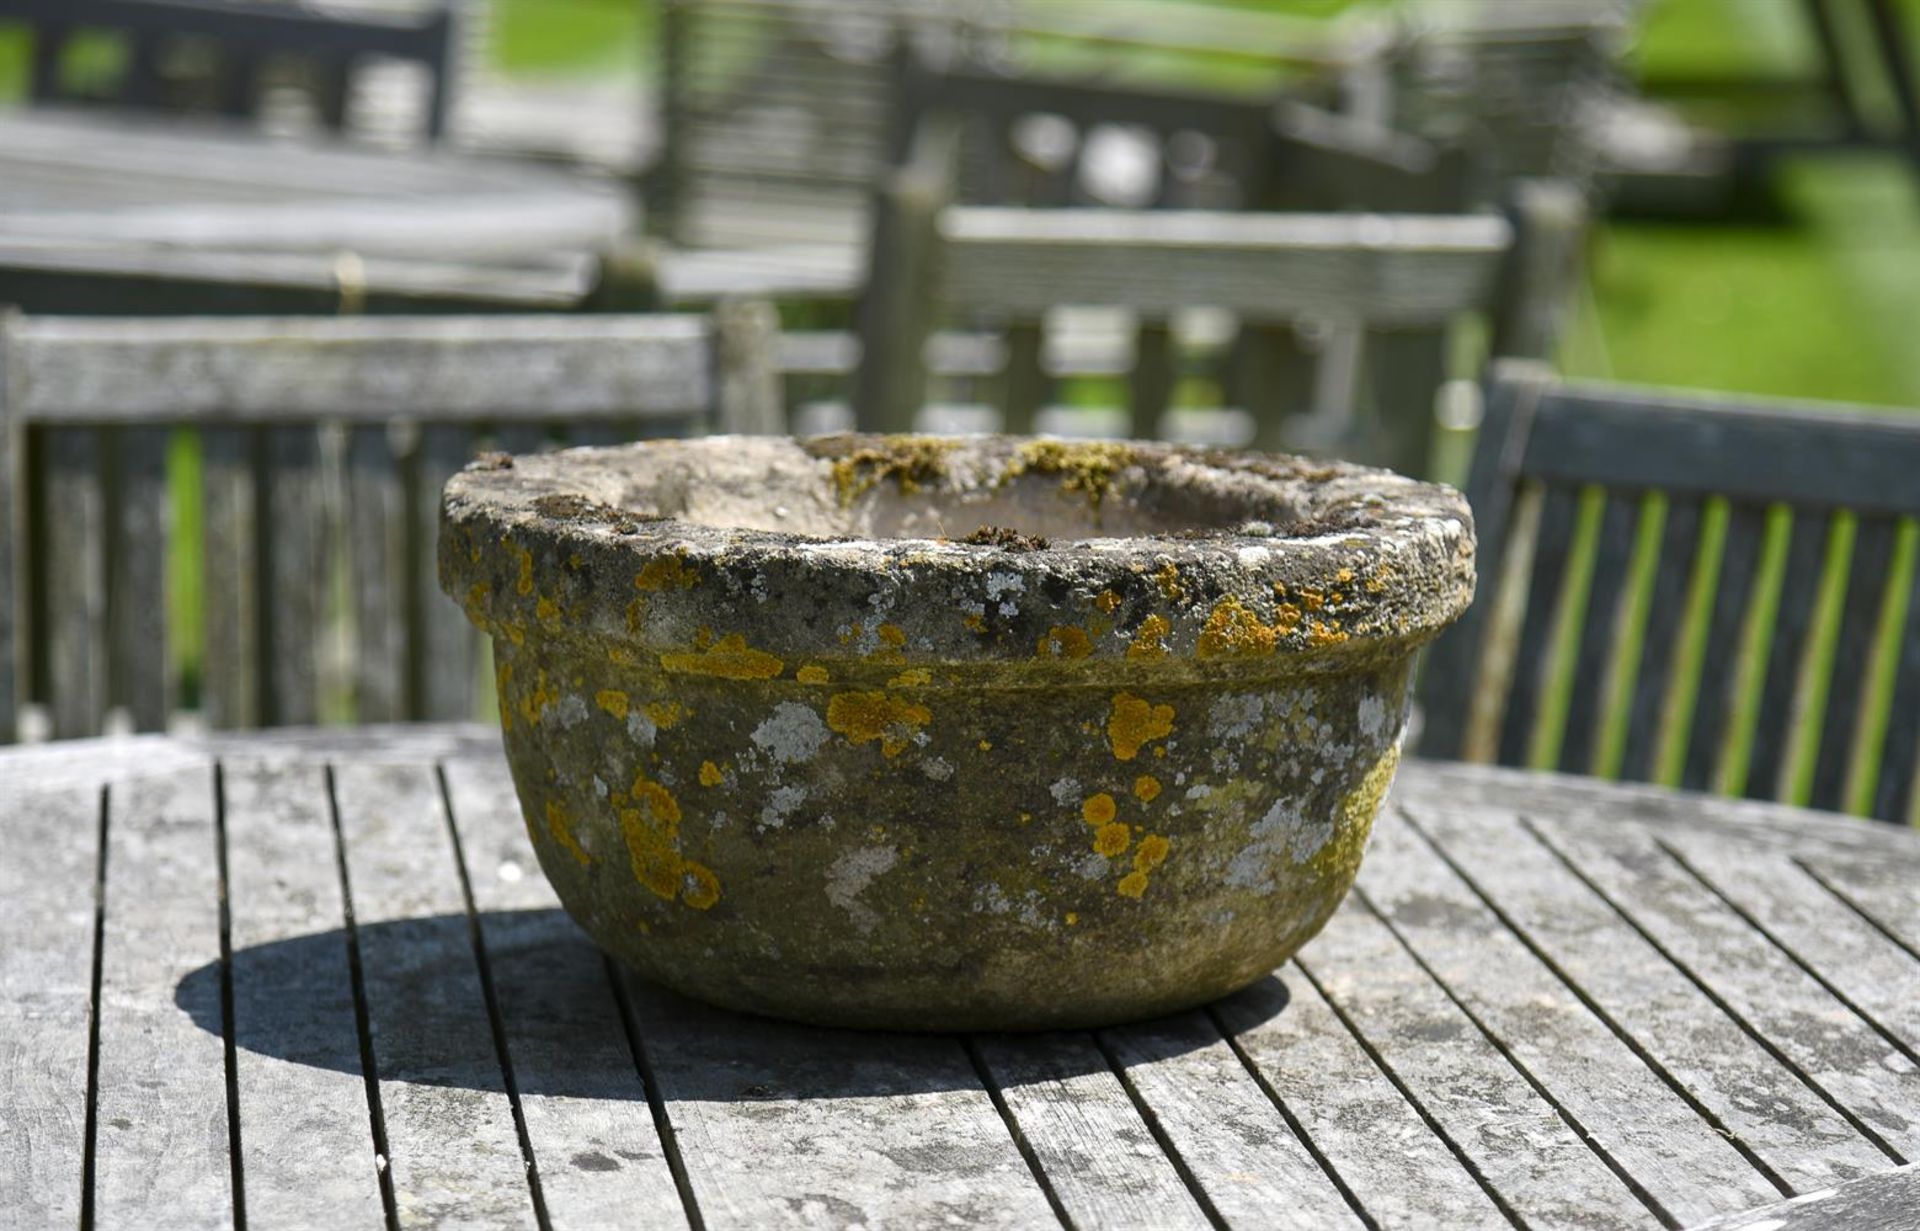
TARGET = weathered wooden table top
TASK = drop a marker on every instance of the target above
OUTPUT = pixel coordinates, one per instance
(102, 179)
(317, 980)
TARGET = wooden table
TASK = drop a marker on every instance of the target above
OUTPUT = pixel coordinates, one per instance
(316, 978)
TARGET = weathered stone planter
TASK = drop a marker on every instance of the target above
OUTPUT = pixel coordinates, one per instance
(940, 734)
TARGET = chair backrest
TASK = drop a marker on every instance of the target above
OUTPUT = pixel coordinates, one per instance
(1402, 279)
(321, 446)
(1695, 589)
(232, 46)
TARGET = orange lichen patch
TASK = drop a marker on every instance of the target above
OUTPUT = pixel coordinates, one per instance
(1112, 839)
(863, 717)
(1324, 633)
(1073, 917)
(546, 611)
(918, 677)
(1132, 885)
(1235, 630)
(477, 595)
(893, 635)
(525, 584)
(1134, 723)
(560, 825)
(652, 832)
(1146, 788)
(1167, 577)
(985, 745)
(1099, 809)
(613, 701)
(729, 658)
(1064, 641)
(534, 703)
(1312, 600)
(663, 573)
(1106, 601)
(665, 713)
(813, 673)
(502, 679)
(635, 611)
(699, 887)
(1344, 576)
(710, 774)
(620, 656)
(1151, 853)
(1149, 640)
(1088, 467)
(974, 622)
(851, 633)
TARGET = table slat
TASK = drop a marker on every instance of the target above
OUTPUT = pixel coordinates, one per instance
(306, 1141)
(1232, 1139)
(46, 999)
(1098, 1154)
(1358, 1120)
(1529, 1155)
(785, 1126)
(593, 1136)
(449, 1121)
(1884, 1202)
(1634, 1116)
(161, 1154)
(1759, 1101)
(1834, 1049)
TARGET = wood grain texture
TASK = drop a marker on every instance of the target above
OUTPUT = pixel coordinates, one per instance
(1666, 609)
(1231, 1137)
(1358, 1119)
(143, 668)
(307, 1149)
(1868, 576)
(442, 645)
(161, 1157)
(46, 995)
(601, 1161)
(74, 539)
(784, 1126)
(1783, 696)
(1834, 1049)
(1536, 1162)
(1087, 1135)
(263, 369)
(298, 580)
(1608, 593)
(1404, 270)
(746, 383)
(231, 679)
(12, 553)
(449, 1121)
(377, 523)
(1755, 1100)
(1739, 562)
(1533, 660)
(1884, 1202)
(1675, 1156)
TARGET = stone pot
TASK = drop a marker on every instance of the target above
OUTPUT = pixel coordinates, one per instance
(939, 734)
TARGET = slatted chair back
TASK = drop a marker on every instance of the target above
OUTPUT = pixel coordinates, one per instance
(231, 48)
(1690, 589)
(321, 446)
(1403, 280)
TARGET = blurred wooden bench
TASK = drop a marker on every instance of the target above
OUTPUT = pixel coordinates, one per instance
(322, 445)
(1404, 280)
(216, 55)
(1691, 588)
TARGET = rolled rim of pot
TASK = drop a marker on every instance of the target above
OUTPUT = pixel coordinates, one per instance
(1019, 558)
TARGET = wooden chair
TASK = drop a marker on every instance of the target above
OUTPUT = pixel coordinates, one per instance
(1668, 593)
(1405, 280)
(243, 43)
(322, 445)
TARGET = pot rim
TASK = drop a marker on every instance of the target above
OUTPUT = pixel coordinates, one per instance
(1410, 543)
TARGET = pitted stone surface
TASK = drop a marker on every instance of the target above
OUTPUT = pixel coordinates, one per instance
(936, 733)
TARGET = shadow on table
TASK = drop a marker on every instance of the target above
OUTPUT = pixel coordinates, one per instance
(568, 1026)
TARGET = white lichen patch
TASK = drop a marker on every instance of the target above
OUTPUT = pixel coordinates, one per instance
(1065, 791)
(1284, 831)
(1235, 716)
(1000, 586)
(641, 728)
(937, 768)
(571, 710)
(849, 876)
(794, 732)
(781, 802)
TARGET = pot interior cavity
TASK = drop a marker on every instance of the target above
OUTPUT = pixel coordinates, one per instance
(841, 489)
